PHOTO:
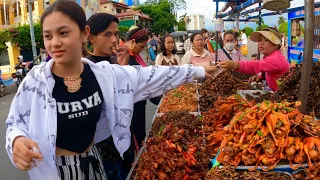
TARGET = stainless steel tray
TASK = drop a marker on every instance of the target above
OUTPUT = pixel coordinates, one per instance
(243, 93)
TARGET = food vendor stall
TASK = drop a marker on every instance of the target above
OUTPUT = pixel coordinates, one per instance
(261, 137)
(242, 134)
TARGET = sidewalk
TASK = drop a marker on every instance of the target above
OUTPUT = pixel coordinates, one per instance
(10, 89)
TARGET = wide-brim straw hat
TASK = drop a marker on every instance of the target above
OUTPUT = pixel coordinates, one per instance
(269, 33)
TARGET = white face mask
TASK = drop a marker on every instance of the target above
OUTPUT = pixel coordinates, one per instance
(229, 46)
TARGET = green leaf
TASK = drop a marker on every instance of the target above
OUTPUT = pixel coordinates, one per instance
(259, 133)
(162, 128)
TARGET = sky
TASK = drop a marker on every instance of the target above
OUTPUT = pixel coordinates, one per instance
(208, 8)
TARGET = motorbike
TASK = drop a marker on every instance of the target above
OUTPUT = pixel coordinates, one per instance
(2, 86)
(20, 73)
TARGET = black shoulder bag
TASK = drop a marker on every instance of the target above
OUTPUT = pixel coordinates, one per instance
(227, 54)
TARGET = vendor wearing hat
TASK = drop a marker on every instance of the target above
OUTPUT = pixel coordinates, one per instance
(273, 65)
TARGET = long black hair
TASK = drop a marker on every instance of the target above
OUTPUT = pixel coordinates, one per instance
(163, 48)
(99, 22)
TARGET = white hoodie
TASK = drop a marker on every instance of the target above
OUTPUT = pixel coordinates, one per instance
(33, 111)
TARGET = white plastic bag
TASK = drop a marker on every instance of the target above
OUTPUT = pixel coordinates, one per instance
(43, 170)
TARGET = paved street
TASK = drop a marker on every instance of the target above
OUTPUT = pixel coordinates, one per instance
(7, 170)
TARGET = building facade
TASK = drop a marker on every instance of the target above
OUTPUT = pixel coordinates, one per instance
(196, 22)
(113, 7)
(15, 12)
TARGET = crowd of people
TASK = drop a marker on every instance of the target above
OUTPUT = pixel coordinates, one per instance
(82, 115)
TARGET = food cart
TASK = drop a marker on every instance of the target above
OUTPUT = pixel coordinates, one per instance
(296, 20)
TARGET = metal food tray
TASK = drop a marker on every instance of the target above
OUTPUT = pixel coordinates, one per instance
(243, 93)
(198, 99)
(143, 148)
(278, 168)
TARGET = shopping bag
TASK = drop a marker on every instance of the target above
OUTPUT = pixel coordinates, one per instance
(244, 50)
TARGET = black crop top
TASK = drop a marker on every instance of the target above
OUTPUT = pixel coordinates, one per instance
(78, 112)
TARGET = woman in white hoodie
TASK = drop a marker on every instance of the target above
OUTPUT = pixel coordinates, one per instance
(66, 105)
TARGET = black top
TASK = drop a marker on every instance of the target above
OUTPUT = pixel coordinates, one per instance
(133, 61)
(78, 112)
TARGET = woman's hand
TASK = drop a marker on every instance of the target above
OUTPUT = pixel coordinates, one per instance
(121, 51)
(229, 65)
(255, 78)
(23, 154)
(208, 70)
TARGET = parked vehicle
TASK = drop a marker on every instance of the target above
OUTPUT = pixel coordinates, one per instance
(20, 73)
(179, 38)
(2, 86)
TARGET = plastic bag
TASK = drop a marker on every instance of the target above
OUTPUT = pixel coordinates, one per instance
(244, 50)
(43, 170)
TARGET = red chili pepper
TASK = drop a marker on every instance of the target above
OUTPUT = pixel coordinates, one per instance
(242, 137)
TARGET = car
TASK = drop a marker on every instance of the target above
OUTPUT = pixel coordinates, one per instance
(179, 38)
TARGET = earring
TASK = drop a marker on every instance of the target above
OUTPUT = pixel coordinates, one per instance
(131, 46)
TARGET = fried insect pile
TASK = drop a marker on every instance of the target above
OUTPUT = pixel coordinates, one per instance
(241, 76)
(183, 98)
(289, 88)
(261, 136)
(223, 85)
(219, 116)
(174, 149)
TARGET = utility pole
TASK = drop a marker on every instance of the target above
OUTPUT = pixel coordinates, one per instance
(5, 13)
(33, 41)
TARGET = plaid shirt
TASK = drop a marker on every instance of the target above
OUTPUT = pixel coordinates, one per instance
(187, 45)
(235, 55)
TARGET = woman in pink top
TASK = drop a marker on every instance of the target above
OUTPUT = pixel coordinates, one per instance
(274, 64)
(198, 55)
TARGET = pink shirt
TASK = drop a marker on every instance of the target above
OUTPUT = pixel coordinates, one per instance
(191, 57)
(274, 65)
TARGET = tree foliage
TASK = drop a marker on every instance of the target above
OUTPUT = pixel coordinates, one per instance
(123, 29)
(281, 20)
(283, 28)
(262, 21)
(182, 23)
(248, 31)
(20, 36)
(163, 20)
(262, 27)
(177, 4)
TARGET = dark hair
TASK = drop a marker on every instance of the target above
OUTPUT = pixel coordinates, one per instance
(163, 48)
(254, 55)
(229, 32)
(99, 22)
(244, 31)
(69, 8)
(194, 35)
(203, 30)
(139, 38)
